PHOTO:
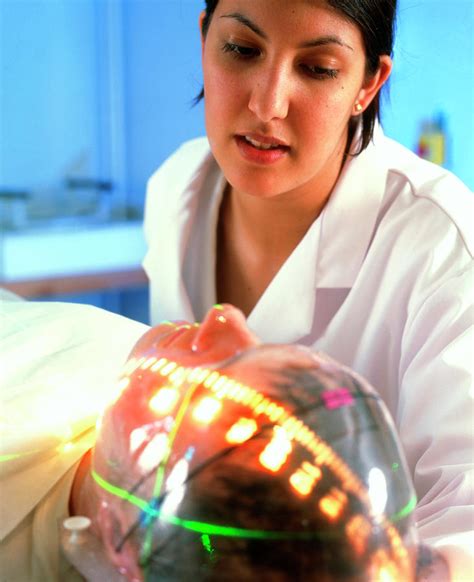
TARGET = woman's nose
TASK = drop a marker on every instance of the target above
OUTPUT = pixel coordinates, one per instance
(270, 94)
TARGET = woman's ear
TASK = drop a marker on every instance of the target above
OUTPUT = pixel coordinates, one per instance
(374, 83)
(202, 15)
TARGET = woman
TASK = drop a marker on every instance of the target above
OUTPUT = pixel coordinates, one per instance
(300, 212)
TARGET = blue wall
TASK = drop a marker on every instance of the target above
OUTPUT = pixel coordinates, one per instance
(163, 75)
(434, 73)
(47, 90)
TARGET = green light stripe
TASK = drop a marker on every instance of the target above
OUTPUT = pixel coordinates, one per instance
(238, 532)
(222, 530)
(124, 494)
(147, 545)
(200, 526)
(11, 456)
(404, 511)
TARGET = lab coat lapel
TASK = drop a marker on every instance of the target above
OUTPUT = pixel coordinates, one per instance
(348, 222)
(177, 228)
(313, 283)
(170, 286)
(284, 313)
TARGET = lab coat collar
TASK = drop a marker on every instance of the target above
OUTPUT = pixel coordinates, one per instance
(349, 218)
(329, 256)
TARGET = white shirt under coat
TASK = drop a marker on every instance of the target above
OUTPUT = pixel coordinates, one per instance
(382, 281)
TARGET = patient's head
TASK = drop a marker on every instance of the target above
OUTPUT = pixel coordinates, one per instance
(226, 459)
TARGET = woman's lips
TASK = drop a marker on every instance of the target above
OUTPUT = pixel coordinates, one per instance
(261, 149)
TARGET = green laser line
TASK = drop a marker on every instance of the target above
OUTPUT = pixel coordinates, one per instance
(404, 511)
(147, 545)
(124, 494)
(223, 530)
(11, 456)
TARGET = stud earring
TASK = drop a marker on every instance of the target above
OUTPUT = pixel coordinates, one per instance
(358, 107)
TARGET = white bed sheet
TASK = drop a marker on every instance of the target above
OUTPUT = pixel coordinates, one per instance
(58, 365)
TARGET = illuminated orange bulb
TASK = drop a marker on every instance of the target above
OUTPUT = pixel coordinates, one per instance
(302, 482)
(147, 363)
(276, 452)
(305, 478)
(332, 505)
(164, 401)
(241, 431)
(207, 409)
(385, 569)
(358, 531)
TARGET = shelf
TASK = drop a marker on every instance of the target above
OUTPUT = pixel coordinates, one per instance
(78, 283)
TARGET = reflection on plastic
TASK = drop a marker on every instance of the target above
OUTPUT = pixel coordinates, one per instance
(85, 552)
(300, 476)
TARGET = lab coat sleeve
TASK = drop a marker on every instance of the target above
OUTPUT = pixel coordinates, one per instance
(436, 417)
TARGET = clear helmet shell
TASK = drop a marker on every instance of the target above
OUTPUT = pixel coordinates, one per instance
(205, 474)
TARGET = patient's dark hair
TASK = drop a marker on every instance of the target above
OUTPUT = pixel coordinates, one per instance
(228, 489)
(376, 21)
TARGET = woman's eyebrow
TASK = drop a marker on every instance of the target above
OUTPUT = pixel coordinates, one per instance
(323, 40)
(246, 22)
(319, 41)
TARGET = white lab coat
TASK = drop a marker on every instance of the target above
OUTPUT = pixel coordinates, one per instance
(382, 282)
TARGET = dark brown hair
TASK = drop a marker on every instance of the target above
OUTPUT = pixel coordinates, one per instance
(376, 21)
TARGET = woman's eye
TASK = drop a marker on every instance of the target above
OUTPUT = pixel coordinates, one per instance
(320, 72)
(240, 51)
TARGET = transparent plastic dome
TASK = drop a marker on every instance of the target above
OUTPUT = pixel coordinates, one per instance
(253, 468)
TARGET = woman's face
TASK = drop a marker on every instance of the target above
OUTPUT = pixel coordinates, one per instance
(284, 75)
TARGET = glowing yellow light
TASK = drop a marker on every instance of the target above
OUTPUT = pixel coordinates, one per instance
(154, 452)
(277, 450)
(159, 364)
(147, 363)
(255, 400)
(385, 569)
(166, 370)
(315, 472)
(262, 406)
(198, 375)
(164, 400)
(221, 318)
(178, 376)
(322, 455)
(239, 392)
(209, 381)
(249, 396)
(305, 478)
(225, 389)
(241, 431)
(207, 409)
(232, 388)
(274, 412)
(332, 505)
(358, 530)
(219, 384)
(302, 482)
(295, 428)
(304, 436)
(132, 365)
